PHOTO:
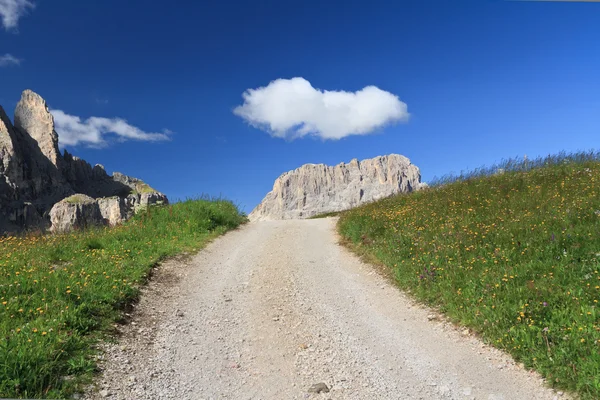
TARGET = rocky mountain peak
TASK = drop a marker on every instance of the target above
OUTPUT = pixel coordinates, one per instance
(39, 187)
(32, 116)
(318, 188)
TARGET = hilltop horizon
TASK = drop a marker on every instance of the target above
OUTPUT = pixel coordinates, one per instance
(229, 98)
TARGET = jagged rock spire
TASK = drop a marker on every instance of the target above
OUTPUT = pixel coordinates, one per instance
(35, 178)
(9, 158)
(7, 149)
(32, 116)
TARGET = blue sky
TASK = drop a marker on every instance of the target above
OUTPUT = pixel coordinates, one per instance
(481, 80)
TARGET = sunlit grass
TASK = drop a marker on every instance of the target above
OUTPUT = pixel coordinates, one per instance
(60, 293)
(512, 252)
(325, 215)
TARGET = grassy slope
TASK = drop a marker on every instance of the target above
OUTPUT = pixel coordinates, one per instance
(60, 293)
(514, 256)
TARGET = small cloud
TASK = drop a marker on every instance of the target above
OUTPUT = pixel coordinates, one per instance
(93, 131)
(101, 101)
(8, 59)
(12, 10)
(292, 108)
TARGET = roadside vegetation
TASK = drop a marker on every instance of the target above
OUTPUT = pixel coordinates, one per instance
(326, 215)
(511, 251)
(60, 294)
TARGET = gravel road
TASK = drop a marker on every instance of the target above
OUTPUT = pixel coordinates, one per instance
(269, 310)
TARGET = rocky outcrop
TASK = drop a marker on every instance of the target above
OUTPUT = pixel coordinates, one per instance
(117, 209)
(32, 116)
(8, 154)
(141, 201)
(315, 189)
(75, 212)
(113, 209)
(36, 179)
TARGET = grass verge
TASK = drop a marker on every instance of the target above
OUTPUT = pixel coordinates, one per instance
(515, 256)
(326, 215)
(60, 294)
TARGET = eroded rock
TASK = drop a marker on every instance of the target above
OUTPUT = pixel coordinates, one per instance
(319, 388)
(34, 177)
(32, 116)
(315, 189)
(8, 154)
(112, 209)
(75, 212)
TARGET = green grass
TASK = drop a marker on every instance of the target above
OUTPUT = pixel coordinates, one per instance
(514, 255)
(141, 188)
(326, 215)
(60, 294)
(76, 199)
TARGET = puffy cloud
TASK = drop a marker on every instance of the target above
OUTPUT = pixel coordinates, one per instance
(8, 60)
(92, 132)
(12, 10)
(292, 108)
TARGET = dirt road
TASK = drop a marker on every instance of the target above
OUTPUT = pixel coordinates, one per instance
(269, 310)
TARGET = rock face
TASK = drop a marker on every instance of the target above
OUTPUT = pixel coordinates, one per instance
(314, 189)
(40, 188)
(75, 212)
(32, 116)
(112, 209)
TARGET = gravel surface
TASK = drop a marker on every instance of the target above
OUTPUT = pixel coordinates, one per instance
(278, 310)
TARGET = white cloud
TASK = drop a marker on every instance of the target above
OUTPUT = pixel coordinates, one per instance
(12, 10)
(8, 59)
(92, 132)
(292, 108)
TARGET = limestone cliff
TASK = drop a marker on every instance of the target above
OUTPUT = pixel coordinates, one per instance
(318, 188)
(35, 176)
(32, 116)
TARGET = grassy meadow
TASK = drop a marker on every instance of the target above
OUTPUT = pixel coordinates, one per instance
(512, 253)
(60, 294)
